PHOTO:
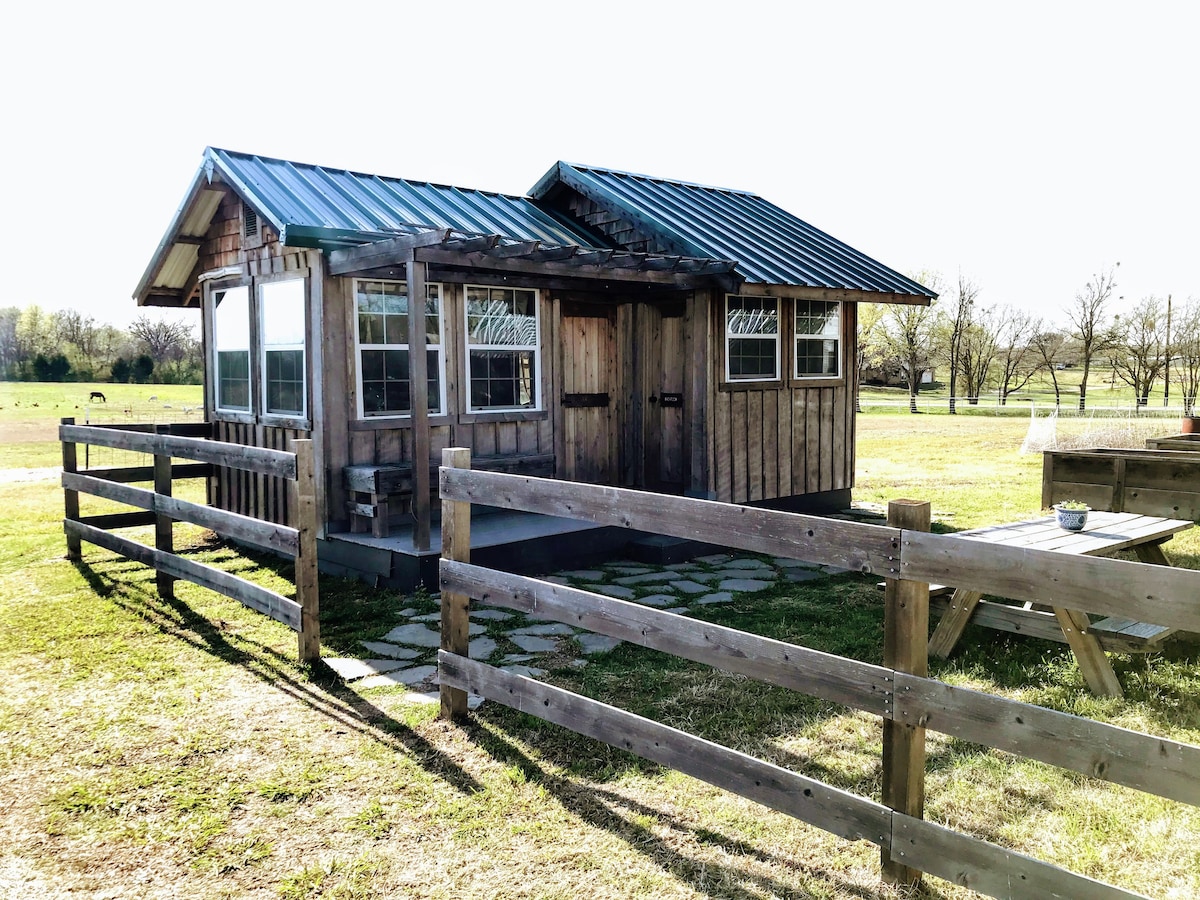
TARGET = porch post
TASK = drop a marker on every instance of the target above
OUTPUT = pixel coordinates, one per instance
(418, 398)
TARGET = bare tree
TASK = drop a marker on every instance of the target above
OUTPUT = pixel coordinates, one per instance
(959, 321)
(164, 340)
(1015, 354)
(909, 336)
(1141, 350)
(1047, 348)
(1088, 318)
(977, 353)
(1185, 347)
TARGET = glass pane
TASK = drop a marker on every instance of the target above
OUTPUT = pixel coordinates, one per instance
(233, 379)
(285, 381)
(752, 358)
(502, 379)
(283, 313)
(753, 315)
(231, 319)
(370, 329)
(501, 316)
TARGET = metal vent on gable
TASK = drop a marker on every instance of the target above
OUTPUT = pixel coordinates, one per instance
(249, 222)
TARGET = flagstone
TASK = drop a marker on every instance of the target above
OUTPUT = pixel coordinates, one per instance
(689, 587)
(350, 669)
(612, 590)
(719, 597)
(395, 651)
(647, 578)
(596, 643)
(745, 585)
(658, 600)
(549, 628)
(533, 644)
(408, 677)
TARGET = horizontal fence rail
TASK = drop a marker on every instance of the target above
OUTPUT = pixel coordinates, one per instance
(848, 545)
(163, 510)
(1167, 768)
(900, 692)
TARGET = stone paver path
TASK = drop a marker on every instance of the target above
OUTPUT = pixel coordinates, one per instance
(407, 654)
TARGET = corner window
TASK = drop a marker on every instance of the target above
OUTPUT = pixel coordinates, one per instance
(282, 306)
(751, 338)
(231, 339)
(381, 332)
(502, 348)
(818, 339)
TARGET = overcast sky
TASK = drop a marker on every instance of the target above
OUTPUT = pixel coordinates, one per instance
(1027, 145)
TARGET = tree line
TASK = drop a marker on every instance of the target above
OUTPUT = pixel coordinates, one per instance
(987, 350)
(67, 345)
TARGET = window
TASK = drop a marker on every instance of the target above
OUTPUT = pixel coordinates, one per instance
(282, 307)
(751, 338)
(381, 330)
(502, 348)
(818, 339)
(231, 338)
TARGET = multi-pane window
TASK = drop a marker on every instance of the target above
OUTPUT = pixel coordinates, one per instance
(231, 338)
(751, 338)
(282, 310)
(818, 339)
(381, 323)
(502, 348)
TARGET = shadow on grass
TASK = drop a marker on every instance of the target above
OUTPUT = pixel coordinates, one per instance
(617, 814)
(322, 692)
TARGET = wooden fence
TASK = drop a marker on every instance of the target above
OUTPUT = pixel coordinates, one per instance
(908, 702)
(159, 508)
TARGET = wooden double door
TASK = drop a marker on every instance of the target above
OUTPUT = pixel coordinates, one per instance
(622, 396)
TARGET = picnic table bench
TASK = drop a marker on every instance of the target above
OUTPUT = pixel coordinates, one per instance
(1105, 532)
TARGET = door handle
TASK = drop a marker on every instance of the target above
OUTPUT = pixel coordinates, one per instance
(653, 398)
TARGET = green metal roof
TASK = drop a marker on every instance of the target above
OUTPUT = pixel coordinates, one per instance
(771, 245)
(314, 206)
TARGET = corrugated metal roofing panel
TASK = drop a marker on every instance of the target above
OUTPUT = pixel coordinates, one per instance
(288, 193)
(771, 245)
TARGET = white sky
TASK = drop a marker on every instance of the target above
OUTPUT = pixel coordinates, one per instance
(1028, 145)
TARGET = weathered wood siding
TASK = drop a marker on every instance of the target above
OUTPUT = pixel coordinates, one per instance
(781, 440)
(250, 494)
(231, 489)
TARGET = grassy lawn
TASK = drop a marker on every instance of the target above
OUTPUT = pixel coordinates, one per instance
(161, 749)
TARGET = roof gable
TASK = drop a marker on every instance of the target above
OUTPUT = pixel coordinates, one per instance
(771, 245)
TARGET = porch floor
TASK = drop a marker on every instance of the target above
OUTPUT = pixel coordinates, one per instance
(488, 529)
(528, 543)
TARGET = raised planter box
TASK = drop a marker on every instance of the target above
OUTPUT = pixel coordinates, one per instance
(1156, 482)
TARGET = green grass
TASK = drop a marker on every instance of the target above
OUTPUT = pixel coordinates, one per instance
(154, 748)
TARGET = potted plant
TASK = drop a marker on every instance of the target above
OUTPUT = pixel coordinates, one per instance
(1072, 514)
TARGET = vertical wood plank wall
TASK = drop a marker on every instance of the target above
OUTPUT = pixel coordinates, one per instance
(782, 441)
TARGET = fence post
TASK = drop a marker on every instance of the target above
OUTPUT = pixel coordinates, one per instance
(71, 498)
(304, 513)
(905, 649)
(164, 538)
(456, 613)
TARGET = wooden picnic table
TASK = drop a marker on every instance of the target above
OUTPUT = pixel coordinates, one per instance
(1105, 532)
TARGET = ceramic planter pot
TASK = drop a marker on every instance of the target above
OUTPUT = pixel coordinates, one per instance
(1071, 519)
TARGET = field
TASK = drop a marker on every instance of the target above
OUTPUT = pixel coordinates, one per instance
(156, 749)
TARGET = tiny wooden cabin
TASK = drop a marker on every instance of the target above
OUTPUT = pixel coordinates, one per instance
(608, 327)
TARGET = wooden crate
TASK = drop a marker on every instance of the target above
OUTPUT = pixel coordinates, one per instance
(1152, 482)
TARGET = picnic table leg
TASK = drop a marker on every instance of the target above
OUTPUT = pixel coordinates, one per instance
(954, 620)
(1097, 670)
(1152, 553)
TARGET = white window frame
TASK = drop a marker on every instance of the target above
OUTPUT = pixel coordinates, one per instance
(534, 349)
(731, 336)
(439, 348)
(797, 337)
(218, 349)
(262, 288)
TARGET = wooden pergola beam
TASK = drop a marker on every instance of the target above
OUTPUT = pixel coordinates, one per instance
(383, 253)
